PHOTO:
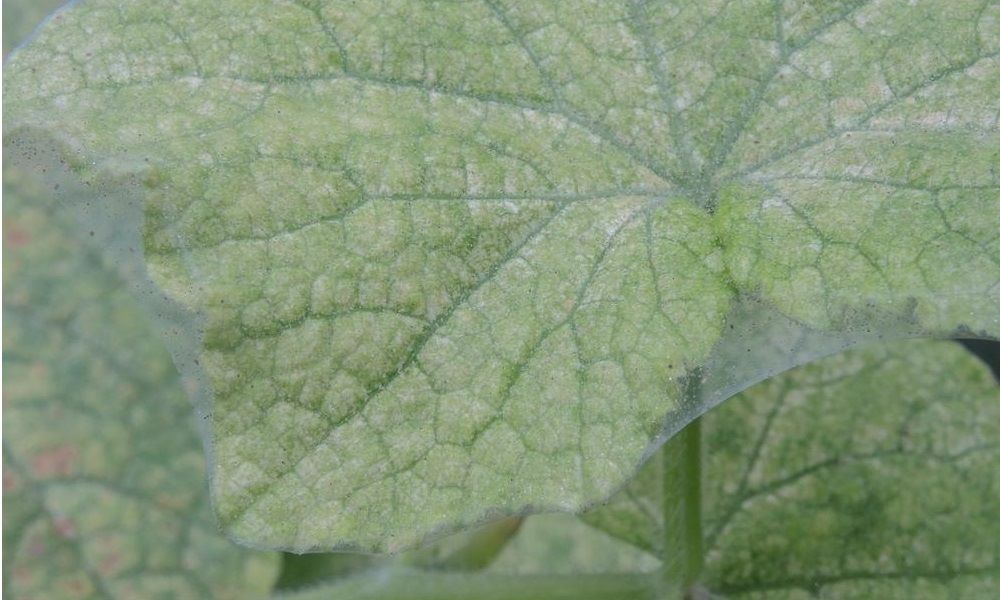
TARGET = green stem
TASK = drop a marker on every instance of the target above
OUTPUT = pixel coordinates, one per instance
(692, 504)
(682, 545)
(416, 585)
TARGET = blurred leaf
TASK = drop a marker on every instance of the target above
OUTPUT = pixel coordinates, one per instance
(104, 476)
(21, 17)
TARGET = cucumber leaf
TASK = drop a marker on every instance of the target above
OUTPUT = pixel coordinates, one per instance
(451, 261)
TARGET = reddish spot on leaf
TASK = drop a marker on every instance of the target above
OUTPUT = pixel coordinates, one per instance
(15, 237)
(9, 481)
(64, 527)
(109, 565)
(77, 587)
(39, 370)
(54, 462)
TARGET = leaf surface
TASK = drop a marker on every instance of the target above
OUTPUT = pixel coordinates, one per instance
(460, 260)
(869, 474)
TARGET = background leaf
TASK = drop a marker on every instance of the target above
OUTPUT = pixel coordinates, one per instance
(868, 474)
(104, 492)
(460, 261)
(21, 18)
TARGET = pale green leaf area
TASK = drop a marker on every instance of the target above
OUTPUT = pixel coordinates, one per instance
(103, 472)
(456, 260)
(870, 474)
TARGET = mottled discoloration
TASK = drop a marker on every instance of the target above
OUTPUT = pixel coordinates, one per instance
(454, 258)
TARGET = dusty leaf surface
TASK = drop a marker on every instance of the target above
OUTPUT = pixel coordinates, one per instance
(457, 260)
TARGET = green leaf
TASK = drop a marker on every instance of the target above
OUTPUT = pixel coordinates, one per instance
(456, 261)
(104, 493)
(870, 474)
